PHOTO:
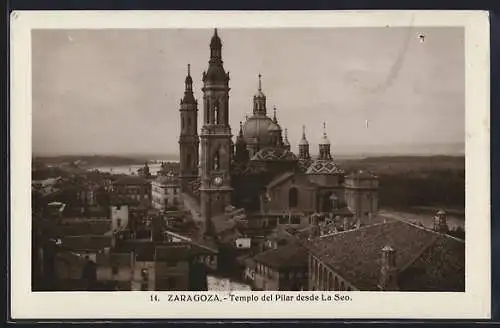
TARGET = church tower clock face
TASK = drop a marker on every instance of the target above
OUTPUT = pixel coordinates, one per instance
(218, 181)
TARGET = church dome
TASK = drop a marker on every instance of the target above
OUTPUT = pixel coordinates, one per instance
(303, 142)
(256, 129)
(274, 154)
(259, 94)
(274, 128)
(324, 140)
(324, 167)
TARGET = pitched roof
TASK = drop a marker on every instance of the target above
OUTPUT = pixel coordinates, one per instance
(292, 255)
(274, 154)
(356, 256)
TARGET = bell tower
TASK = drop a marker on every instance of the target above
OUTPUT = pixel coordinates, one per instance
(188, 141)
(215, 189)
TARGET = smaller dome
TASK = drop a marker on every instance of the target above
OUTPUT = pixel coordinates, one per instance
(324, 140)
(259, 94)
(324, 167)
(303, 142)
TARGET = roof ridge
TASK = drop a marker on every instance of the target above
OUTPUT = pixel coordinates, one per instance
(391, 221)
(419, 254)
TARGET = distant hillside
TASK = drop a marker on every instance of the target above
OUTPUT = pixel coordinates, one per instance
(88, 160)
(404, 164)
(416, 181)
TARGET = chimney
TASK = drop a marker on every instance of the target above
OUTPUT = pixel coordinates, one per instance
(388, 272)
(440, 222)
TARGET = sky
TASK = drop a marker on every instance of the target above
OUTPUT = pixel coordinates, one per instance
(118, 91)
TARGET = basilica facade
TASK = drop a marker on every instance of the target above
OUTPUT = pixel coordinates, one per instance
(257, 169)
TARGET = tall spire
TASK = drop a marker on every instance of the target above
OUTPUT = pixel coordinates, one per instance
(303, 141)
(188, 84)
(259, 100)
(304, 146)
(324, 139)
(324, 146)
(275, 119)
(215, 46)
(241, 130)
(286, 143)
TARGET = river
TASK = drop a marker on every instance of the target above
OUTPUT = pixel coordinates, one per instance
(128, 169)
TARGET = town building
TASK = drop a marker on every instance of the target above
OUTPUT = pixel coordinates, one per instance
(390, 256)
(165, 193)
(281, 268)
(133, 187)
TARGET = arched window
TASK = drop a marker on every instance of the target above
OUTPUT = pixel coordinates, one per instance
(217, 160)
(293, 197)
(216, 113)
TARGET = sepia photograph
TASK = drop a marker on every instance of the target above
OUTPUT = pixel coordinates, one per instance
(225, 159)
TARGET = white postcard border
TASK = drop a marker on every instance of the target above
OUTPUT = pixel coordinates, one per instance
(474, 303)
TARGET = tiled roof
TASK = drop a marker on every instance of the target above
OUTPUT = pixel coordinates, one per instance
(304, 164)
(321, 166)
(292, 255)
(356, 255)
(440, 268)
(274, 154)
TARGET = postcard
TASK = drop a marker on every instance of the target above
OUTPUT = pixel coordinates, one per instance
(250, 165)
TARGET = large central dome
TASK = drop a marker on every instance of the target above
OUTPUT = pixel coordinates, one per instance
(256, 129)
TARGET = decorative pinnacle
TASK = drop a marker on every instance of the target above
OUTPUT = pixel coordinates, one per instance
(189, 69)
(215, 31)
(303, 132)
(286, 133)
(324, 129)
(260, 82)
(274, 112)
